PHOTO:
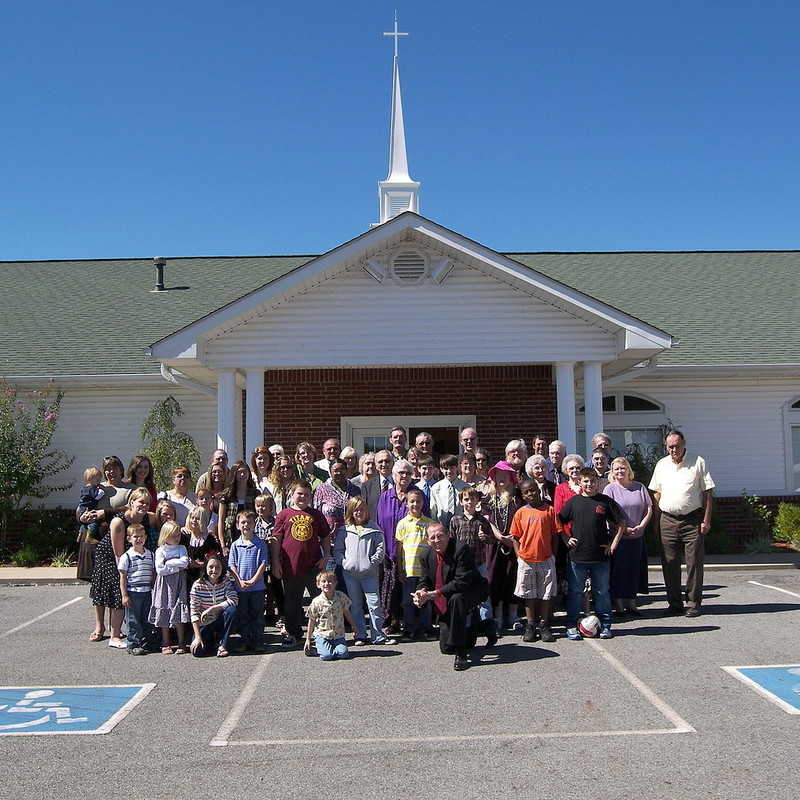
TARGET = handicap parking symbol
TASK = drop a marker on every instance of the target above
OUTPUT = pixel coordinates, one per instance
(779, 683)
(48, 710)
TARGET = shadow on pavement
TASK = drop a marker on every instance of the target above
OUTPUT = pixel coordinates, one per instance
(662, 631)
(508, 654)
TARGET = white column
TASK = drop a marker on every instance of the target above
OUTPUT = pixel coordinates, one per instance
(593, 401)
(254, 423)
(226, 412)
(565, 401)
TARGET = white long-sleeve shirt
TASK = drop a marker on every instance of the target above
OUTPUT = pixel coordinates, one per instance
(171, 558)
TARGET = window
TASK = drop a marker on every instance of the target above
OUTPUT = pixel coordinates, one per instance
(791, 420)
(628, 419)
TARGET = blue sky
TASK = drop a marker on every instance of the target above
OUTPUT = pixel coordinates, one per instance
(199, 128)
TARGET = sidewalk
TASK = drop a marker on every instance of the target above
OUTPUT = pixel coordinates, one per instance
(47, 576)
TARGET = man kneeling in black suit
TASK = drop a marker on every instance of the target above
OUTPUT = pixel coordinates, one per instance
(455, 587)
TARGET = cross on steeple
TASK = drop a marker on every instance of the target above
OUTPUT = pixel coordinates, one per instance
(396, 35)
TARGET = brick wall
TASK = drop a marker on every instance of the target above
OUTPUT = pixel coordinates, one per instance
(733, 521)
(507, 401)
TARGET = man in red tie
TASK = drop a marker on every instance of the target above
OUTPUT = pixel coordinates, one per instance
(455, 587)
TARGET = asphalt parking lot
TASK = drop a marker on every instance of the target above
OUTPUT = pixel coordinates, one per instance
(650, 713)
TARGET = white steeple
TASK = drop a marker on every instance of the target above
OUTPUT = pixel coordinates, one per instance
(399, 192)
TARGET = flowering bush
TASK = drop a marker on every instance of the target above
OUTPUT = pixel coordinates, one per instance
(27, 424)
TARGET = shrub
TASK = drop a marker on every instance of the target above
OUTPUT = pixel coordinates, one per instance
(63, 558)
(787, 524)
(47, 531)
(759, 520)
(25, 557)
(165, 446)
(27, 424)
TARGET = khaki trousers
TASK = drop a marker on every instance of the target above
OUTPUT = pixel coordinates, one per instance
(681, 538)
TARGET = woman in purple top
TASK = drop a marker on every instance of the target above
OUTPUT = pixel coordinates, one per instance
(391, 509)
(634, 500)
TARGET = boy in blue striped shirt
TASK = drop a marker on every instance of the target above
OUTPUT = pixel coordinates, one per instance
(248, 560)
(137, 572)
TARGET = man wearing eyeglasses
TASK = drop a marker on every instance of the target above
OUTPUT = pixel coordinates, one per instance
(683, 492)
(378, 483)
(469, 440)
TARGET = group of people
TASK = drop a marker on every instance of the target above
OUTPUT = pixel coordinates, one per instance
(400, 544)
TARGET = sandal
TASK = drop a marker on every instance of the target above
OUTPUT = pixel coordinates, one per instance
(180, 650)
(94, 636)
(167, 651)
(222, 652)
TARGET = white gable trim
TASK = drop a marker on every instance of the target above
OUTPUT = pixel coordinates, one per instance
(182, 343)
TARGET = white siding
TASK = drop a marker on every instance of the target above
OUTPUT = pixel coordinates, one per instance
(96, 423)
(736, 424)
(470, 318)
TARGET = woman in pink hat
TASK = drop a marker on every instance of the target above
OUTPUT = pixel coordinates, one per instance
(501, 562)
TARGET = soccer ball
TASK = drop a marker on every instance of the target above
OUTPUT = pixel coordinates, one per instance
(589, 626)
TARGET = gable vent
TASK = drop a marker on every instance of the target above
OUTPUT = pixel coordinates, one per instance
(408, 266)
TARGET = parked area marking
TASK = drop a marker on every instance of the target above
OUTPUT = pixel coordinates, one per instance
(41, 616)
(776, 588)
(60, 710)
(679, 725)
(779, 683)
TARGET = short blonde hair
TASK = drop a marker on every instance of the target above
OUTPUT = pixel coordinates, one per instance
(140, 493)
(628, 469)
(92, 472)
(169, 528)
(135, 528)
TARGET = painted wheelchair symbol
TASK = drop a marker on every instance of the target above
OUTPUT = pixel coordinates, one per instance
(48, 711)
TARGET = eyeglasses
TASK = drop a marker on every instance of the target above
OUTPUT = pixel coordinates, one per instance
(285, 466)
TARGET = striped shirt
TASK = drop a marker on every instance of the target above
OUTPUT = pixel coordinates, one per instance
(204, 594)
(412, 533)
(140, 569)
(246, 557)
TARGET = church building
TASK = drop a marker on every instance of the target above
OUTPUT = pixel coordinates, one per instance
(414, 324)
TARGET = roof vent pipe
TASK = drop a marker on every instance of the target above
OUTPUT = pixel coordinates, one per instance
(159, 263)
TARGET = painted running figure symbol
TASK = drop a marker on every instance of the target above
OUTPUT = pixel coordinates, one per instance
(61, 713)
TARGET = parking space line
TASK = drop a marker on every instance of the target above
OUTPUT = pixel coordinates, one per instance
(758, 688)
(776, 588)
(41, 616)
(680, 725)
(223, 735)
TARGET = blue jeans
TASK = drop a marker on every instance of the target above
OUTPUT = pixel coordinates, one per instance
(329, 649)
(139, 628)
(251, 617)
(357, 588)
(414, 619)
(599, 572)
(220, 629)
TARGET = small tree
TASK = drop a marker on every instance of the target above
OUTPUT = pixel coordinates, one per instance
(165, 446)
(27, 424)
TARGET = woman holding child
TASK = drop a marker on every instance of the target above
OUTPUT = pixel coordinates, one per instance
(106, 591)
(115, 495)
(637, 508)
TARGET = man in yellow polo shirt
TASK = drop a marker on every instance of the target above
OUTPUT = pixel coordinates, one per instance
(682, 487)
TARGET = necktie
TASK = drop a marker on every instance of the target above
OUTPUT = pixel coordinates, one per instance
(439, 601)
(451, 502)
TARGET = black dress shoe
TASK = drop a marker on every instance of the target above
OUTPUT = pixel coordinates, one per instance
(693, 611)
(461, 662)
(674, 611)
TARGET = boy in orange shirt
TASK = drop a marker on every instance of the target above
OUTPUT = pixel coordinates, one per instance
(534, 528)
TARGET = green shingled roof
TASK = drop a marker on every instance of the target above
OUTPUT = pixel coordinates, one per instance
(97, 317)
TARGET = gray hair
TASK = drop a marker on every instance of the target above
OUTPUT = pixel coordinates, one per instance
(402, 463)
(572, 458)
(517, 444)
(535, 459)
(559, 444)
